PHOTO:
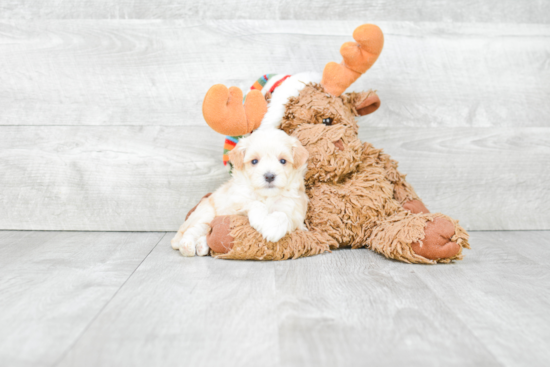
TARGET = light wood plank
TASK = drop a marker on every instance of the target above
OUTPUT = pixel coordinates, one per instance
(533, 245)
(133, 72)
(178, 311)
(147, 178)
(106, 178)
(53, 284)
(354, 306)
(501, 293)
(505, 11)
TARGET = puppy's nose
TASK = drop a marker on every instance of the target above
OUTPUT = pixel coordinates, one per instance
(269, 177)
(339, 144)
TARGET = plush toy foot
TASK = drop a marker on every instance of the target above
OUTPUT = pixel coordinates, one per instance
(415, 206)
(421, 238)
(219, 239)
(437, 243)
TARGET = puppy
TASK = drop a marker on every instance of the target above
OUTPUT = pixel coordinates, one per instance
(267, 185)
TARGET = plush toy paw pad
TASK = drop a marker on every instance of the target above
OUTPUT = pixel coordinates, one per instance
(416, 206)
(437, 242)
(219, 239)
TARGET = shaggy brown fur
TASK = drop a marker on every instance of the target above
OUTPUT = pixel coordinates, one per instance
(357, 195)
(249, 244)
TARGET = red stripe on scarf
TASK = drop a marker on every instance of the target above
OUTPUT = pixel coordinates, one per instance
(277, 83)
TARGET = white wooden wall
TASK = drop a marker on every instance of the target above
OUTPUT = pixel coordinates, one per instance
(100, 104)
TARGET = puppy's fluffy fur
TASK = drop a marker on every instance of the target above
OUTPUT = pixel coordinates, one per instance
(267, 185)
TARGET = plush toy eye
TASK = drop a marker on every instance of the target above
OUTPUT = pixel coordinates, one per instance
(327, 121)
(283, 161)
(254, 161)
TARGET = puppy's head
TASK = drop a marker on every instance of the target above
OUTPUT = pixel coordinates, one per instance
(271, 161)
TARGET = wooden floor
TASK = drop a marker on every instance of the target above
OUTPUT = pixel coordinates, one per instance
(128, 299)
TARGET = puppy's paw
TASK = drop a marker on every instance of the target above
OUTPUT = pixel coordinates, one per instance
(176, 241)
(257, 214)
(202, 246)
(275, 228)
(187, 247)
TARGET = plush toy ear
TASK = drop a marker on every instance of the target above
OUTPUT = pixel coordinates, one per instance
(236, 157)
(367, 102)
(299, 154)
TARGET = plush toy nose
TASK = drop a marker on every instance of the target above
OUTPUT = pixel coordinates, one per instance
(339, 144)
(269, 177)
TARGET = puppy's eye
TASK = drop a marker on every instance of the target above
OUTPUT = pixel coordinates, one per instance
(327, 121)
(283, 161)
(254, 161)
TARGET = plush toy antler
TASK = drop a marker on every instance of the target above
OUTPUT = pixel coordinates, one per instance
(224, 111)
(358, 58)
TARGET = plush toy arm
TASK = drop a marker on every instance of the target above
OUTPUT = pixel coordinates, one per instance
(403, 192)
(233, 237)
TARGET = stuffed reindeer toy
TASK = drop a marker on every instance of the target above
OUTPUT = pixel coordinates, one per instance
(357, 197)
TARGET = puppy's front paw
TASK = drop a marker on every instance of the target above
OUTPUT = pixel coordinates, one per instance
(202, 246)
(187, 247)
(257, 214)
(275, 228)
(176, 241)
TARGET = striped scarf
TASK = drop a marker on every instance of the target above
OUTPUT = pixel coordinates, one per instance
(231, 141)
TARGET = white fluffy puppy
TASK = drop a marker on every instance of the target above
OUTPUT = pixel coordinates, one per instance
(267, 185)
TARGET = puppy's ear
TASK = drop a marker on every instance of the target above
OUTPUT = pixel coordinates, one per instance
(236, 157)
(299, 154)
